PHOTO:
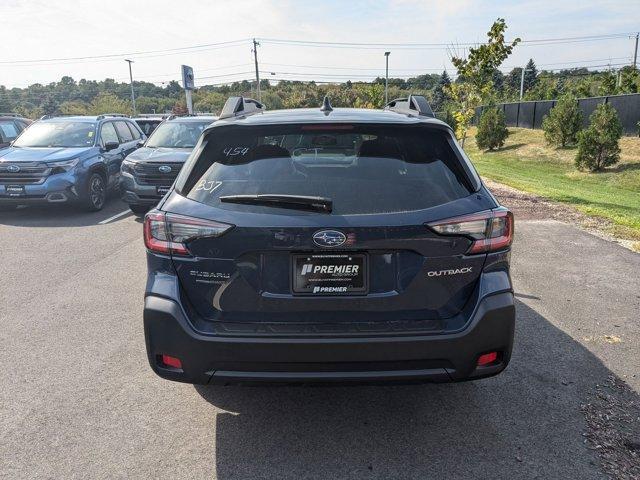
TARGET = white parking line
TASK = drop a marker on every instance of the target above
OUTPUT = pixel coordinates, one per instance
(117, 215)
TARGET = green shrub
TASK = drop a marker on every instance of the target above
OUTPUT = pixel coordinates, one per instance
(563, 123)
(492, 129)
(598, 144)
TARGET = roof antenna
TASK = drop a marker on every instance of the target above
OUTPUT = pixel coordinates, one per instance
(326, 105)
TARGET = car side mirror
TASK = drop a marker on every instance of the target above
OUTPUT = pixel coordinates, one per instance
(110, 146)
(140, 144)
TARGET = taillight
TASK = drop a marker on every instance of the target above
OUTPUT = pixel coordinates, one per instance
(169, 233)
(490, 230)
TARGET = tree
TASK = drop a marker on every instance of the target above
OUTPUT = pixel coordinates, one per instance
(530, 75)
(476, 71)
(598, 144)
(492, 129)
(439, 94)
(513, 79)
(108, 103)
(50, 106)
(563, 123)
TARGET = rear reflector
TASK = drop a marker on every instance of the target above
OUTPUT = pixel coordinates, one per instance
(487, 359)
(490, 230)
(169, 361)
(169, 233)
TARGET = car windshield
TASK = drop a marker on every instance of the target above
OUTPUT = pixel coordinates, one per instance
(58, 134)
(361, 169)
(177, 134)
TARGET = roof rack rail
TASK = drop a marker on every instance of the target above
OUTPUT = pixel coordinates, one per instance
(179, 115)
(240, 107)
(105, 115)
(45, 117)
(412, 105)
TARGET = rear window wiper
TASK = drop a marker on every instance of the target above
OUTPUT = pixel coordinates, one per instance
(299, 202)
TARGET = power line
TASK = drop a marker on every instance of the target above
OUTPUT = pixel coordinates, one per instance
(308, 43)
(436, 46)
(170, 51)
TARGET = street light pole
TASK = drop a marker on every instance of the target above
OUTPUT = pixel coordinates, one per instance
(635, 52)
(386, 78)
(133, 97)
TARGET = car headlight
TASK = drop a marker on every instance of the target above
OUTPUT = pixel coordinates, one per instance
(127, 167)
(65, 166)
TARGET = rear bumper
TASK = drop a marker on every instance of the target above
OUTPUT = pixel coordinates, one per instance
(223, 359)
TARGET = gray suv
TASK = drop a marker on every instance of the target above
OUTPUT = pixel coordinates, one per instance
(148, 173)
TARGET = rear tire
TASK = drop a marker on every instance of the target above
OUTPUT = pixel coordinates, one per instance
(139, 210)
(95, 195)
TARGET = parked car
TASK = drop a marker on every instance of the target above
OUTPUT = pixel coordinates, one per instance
(67, 159)
(11, 125)
(148, 123)
(328, 245)
(148, 173)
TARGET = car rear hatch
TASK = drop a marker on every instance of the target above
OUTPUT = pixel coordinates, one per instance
(372, 262)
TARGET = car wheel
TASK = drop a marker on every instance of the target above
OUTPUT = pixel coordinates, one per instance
(139, 210)
(96, 193)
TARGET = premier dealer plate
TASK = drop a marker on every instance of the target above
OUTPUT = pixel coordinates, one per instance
(15, 190)
(330, 274)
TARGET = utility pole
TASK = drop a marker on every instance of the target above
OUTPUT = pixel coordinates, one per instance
(255, 58)
(522, 83)
(133, 96)
(635, 52)
(386, 78)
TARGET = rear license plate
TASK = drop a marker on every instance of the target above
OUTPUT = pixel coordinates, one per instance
(330, 274)
(15, 190)
(162, 190)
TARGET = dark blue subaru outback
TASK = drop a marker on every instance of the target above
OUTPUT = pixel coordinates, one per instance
(322, 245)
(67, 159)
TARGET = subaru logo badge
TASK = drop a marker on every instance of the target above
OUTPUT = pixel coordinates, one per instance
(329, 238)
(164, 168)
(13, 168)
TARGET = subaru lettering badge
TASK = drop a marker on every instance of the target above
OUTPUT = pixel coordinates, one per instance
(164, 168)
(329, 238)
(13, 168)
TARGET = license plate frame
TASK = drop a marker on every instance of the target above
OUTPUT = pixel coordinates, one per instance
(15, 190)
(331, 282)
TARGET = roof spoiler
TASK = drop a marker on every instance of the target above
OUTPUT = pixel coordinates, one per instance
(240, 107)
(414, 104)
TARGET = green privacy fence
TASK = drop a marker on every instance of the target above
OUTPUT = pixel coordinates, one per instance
(530, 114)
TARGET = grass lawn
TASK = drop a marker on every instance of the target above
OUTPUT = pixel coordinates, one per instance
(527, 163)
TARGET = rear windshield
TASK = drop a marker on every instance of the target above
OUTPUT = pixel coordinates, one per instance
(177, 134)
(148, 126)
(363, 169)
(8, 131)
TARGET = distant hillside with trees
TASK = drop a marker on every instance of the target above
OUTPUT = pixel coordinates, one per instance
(69, 96)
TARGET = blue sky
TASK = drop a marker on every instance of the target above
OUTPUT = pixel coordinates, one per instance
(44, 29)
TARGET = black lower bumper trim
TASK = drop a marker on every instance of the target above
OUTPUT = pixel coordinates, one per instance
(226, 359)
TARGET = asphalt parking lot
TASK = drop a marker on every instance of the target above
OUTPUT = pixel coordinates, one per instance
(78, 400)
